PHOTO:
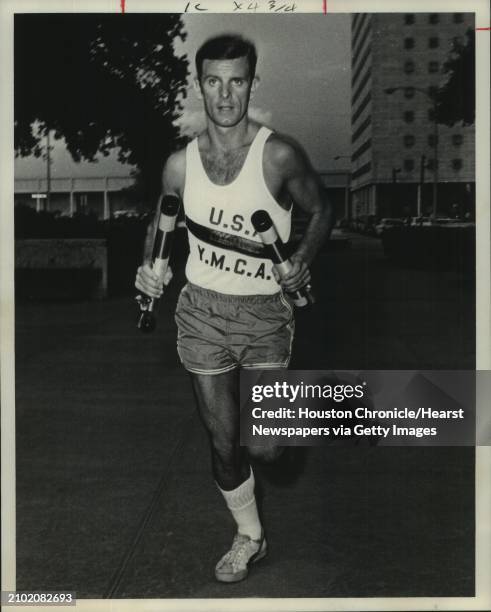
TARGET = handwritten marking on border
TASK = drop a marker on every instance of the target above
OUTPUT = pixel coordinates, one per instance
(324, 6)
(123, 7)
(197, 7)
(246, 6)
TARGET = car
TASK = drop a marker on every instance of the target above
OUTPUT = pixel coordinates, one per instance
(386, 223)
(342, 223)
(421, 222)
(368, 225)
(445, 221)
(363, 224)
(126, 213)
(352, 224)
(454, 223)
(357, 224)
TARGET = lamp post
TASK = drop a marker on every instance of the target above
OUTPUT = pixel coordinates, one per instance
(48, 172)
(433, 100)
(347, 188)
(47, 158)
(422, 168)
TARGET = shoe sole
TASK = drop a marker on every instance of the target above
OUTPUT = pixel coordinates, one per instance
(261, 553)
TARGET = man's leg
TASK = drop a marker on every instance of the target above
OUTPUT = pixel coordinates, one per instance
(218, 405)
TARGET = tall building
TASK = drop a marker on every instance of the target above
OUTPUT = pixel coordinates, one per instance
(393, 132)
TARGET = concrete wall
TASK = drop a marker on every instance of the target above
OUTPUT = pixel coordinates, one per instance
(64, 254)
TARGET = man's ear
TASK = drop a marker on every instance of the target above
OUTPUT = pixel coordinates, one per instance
(254, 85)
(197, 88)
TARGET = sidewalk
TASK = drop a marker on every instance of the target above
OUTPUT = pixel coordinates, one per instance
(114, 493)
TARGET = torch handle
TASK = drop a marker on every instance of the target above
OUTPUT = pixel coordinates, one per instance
(160, 258)
(276, 251)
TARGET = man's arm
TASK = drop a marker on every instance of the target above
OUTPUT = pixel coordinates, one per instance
(172, 184)
(305, 188)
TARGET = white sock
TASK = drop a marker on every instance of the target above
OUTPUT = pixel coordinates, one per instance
(242, 504)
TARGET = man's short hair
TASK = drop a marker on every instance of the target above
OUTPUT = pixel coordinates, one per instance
(228, 46)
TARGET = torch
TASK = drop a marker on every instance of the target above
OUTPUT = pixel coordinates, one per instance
(160, 258)
(275, 249)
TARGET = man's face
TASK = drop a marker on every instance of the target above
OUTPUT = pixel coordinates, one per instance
(225, 89)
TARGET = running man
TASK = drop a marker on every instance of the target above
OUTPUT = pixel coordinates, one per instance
(232, 313)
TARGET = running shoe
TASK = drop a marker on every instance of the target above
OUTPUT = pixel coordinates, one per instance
(234, 565)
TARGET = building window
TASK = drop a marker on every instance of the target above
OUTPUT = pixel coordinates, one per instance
(457, 139)
(432, 140)
(409, 140)
(458, 17)
(433, 18)
(457, 164)
(409, 92)
(361, 170)
(433, 42)
(433, 66)
(431, 164)
(432, 90)
(409, 43)
(409, 67)
(409, 18)
(409, 165)
(431, 114)
(408, 116)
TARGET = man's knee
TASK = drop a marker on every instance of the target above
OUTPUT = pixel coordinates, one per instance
(265, 454)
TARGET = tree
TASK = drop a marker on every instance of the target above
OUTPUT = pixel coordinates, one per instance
(100, 81)
(456, 99)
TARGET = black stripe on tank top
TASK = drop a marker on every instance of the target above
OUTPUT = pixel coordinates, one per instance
(226, 241)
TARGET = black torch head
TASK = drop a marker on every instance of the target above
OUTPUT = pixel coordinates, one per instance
(146, 322)
(261, 221)
(170, 205)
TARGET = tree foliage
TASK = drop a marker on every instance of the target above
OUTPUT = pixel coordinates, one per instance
(456, 99)
(100, 81)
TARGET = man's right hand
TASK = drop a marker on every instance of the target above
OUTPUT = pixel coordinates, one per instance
(149, 283)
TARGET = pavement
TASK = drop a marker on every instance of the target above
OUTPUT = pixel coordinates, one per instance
(115, 497)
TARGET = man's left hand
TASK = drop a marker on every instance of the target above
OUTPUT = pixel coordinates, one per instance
(298, 277)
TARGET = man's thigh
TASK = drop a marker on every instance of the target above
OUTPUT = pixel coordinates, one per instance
(217, 397)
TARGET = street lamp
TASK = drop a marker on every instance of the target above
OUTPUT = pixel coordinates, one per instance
(433, 100)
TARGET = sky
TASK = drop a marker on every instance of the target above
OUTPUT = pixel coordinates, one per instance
(304, 70)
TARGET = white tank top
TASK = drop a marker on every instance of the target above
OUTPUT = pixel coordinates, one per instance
(226, 255)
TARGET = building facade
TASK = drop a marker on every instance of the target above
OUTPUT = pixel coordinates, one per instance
(105, 197)
(101, 196)
(398, 150)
